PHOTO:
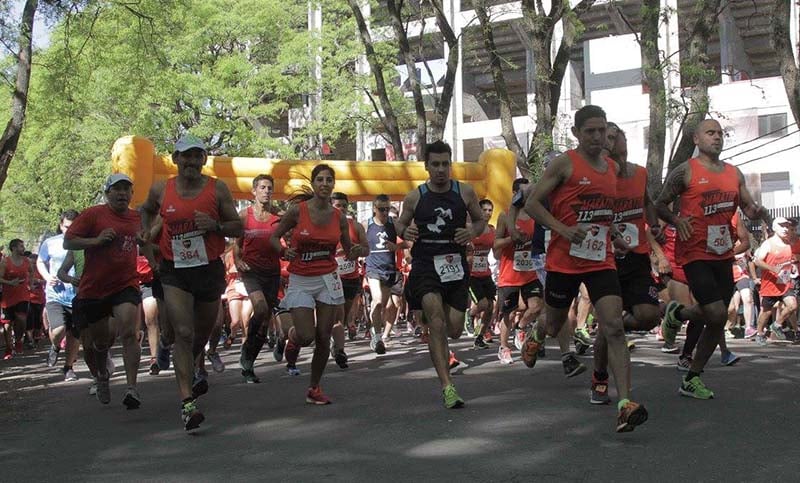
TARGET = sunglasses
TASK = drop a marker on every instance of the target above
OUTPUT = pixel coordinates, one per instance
(382, 210)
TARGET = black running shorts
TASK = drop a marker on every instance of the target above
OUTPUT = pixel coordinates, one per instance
(267, 283)
(482, 288)
(206, 283)
(509, 296)
(636, 281)
(562, 288)
(711, 280)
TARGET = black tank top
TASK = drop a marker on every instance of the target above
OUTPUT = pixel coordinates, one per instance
(437, 217)
(380, 258)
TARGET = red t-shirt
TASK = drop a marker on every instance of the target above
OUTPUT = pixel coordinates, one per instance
(257, 250)
(516, 264)
(315, 244)
(37, 288)
(14, 294)
(110, 268)
(629, 215)
(479, 267)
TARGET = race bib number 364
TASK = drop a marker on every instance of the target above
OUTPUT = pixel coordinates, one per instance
(189, 252)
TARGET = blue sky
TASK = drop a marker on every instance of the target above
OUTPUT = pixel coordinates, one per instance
(41, 33)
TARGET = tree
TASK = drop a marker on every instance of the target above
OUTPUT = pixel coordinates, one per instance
(653, 70)
(549, 72)
(787, 62)
(13, 130)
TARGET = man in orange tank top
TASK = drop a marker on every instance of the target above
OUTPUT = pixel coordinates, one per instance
(581, 188)
(191, 272)
(16, 273)
(710, 191)
(775, 259)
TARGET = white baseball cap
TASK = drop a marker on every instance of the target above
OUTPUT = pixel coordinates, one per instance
(780, 220)
(114, 179)
(187, 142)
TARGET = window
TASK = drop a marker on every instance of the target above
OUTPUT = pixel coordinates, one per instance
(775, 181)
(772, 125)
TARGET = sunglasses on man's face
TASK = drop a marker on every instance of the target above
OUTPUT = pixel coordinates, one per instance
(382, 210)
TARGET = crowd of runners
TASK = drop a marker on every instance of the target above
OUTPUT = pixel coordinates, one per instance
(585, 255)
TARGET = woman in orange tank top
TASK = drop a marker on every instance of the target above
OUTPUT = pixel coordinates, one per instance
(315, 289)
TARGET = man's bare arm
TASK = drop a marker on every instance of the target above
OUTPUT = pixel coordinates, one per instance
(674, 186)
(555, 174)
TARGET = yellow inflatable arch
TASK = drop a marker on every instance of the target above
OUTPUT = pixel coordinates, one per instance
(491, 176)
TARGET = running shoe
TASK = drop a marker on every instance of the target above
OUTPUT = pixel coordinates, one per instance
(271, 340)
(479, 343)
(572, 366)
(103, 391)
(132, 399)
(451, 398)
(504, 355)
(216, 362)
(378, 345)
(352, 332)
(250, 377)
(228, 342)
(582, 336)
(199, 385)
(669, 348)
(314, 395)
(417, 331)
(487, 337)
(292, 370)
(519, 339)
(469, 324)
(599, 391)
(8, 355)
(729, 335)
(777, 331)
(191, 416)
(93, 387)
(695, 388)
(452, 361)
(671, 325)
(70, 376)
(631, 345)
(291, 352)
(684, 363)
(162, 356)
(52, 356)
(728, 358)
(631, 414)
(154, 367)
(761, 340)
(530, 350)
(280, 347)
(750, 332)
(341, 358)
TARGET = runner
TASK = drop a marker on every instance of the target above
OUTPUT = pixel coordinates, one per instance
(315, 290)
(710, 191)
(16, 273)
(109, 285)
(149, 310)
(33, 326)
(775, 259)
(260, 269)
(59, 295)
(381, 270)
(352, 277)
(482, 289)
(743, 277)
(434, 218)
(581, 187)
(197, 213)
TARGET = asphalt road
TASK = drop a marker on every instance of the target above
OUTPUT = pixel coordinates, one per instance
(387, 423)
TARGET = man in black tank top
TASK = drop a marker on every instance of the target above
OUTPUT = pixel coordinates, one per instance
(434, 218)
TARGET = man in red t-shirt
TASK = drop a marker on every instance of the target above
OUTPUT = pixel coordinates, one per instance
(15, 274)
(109, 286)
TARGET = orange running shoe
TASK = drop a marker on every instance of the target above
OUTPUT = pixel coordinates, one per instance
(453, 361)
(530, 349)
(315, 396)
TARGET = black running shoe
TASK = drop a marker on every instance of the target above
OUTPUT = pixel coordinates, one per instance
(191, 415)
(572, 366)
(277, 353)
(341, 359)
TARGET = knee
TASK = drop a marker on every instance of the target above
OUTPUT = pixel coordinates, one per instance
(483, 305)
(184, 333)
(454, 331)
(648, 316)
(613, 328)
(790, 304)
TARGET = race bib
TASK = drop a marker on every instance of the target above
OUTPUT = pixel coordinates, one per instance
(346, 267)
(480, 263)
(593, 246)
(523, 262)
(718, 240)
(785, 275)
(449, 267)
(630, 233)
(189, 252)
(334, 285)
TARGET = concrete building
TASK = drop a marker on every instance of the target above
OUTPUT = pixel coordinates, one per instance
(747, 96)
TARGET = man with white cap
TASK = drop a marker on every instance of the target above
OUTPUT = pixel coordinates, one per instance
(109, 286)
(197, 213)
(775, 259)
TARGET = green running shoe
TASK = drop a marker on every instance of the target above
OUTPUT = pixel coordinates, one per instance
(695, 388)
(451, 398)
(671, 325)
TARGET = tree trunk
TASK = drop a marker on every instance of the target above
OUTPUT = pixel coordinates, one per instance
(698, 76)
(13, 130)
(508, 132)
(571, 34)
(654, 79)
(413, 79)
(782, 43)
(442, 104)
(388, 118)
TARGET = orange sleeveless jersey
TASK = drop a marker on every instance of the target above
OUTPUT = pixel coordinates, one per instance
(315, 244)
(178, 216)
(348, 269)
(629, 216)
(516, 264)
(712, 199)
(775, 284)
(586, 199)
(480, 254)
